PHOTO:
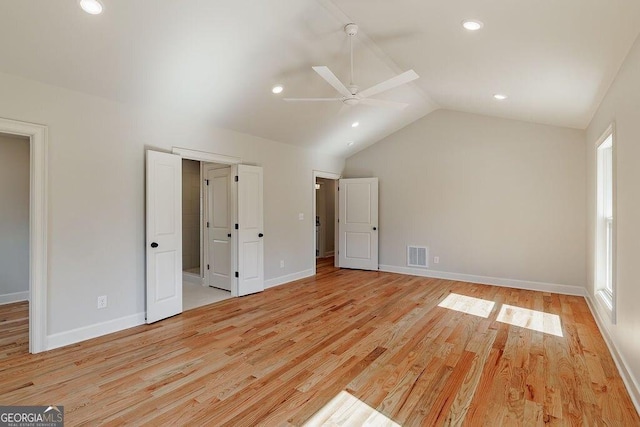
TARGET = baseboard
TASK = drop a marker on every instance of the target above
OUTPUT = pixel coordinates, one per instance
(623, 367)
(277, 281)
(496, 281)
(14, 297)
(93, 331)
(192, 278)
(329, 253)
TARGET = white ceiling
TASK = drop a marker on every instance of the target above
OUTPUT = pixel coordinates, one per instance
(218, 59)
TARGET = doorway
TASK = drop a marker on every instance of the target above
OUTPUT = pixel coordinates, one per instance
(325, 232)
(14, 244)
(38, 218)
(206, 233)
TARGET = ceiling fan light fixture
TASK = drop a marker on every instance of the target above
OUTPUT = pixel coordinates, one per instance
(277, 89)
(92, 7)
(472, 24)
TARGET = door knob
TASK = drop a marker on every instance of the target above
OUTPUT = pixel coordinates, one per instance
(154, 245)
(375, 228)
(260, 235)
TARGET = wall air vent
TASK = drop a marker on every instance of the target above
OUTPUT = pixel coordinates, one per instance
(417, 256)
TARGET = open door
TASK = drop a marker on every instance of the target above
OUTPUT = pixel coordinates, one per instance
(250, 271)
(164, 235)
(358, 223)
(218, 225)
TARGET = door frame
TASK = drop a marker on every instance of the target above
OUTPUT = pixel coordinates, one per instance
(335, 177)
(207, 157)
(38, 226)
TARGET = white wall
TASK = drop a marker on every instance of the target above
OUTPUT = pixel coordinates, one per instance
(491, 197)
(14, 218)
(96, 195)
(622, 106)
(190, 214)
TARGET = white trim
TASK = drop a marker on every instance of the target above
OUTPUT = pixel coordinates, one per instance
(630, 382)
(204, 156)
(93, 331)
(14, 297)
(38, 221)
(610, 309)
(325, 175)
(496, 281)
(328, 254)
(277, 281)
(192, 278)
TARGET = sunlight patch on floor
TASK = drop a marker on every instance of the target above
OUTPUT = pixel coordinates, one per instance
(347, 410)
(469, 305)
(531, 319)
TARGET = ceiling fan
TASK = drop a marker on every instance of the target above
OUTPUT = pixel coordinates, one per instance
(352, 95)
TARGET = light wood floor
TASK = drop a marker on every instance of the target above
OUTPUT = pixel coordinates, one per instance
(343, 347)
(14, 331)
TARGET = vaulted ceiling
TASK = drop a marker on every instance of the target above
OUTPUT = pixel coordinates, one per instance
(217, 60)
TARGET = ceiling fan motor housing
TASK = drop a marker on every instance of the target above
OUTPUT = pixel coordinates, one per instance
(351, 29)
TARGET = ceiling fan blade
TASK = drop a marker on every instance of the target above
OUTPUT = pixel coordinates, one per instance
(311, 99)
(396, 81)
(331, 78)
(381, 103)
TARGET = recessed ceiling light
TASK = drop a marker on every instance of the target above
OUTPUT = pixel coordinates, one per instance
(277, 89)
(500, 97)
(93, 7)
(355, 124)
(472, 25)
(350, 144)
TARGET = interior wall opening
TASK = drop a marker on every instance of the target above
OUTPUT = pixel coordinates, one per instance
(206, 233)
(325, 220)
(14, 244)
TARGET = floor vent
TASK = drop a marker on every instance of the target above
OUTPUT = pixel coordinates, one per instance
(417, 256)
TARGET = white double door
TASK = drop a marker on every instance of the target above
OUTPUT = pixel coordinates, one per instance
(164, 233)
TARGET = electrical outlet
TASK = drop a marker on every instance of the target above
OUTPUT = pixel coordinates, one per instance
(436, 259)
(102, 301)
(281, 263)
(301, 216)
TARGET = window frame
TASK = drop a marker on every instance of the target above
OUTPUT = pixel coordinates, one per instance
(603, 295)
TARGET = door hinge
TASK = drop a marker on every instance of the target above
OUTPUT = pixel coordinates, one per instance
(208, 267)
(237, 274)
(236, 178)
(207, 181)
(236, 226)
(207, 224)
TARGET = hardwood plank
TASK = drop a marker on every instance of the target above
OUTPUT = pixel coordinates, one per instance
(346, 347)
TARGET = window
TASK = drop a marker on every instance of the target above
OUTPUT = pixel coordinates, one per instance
(605, 223)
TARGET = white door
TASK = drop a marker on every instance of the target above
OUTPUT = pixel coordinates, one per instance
(219, 228)
(164, 235)
(358, 223)
(250, 230)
